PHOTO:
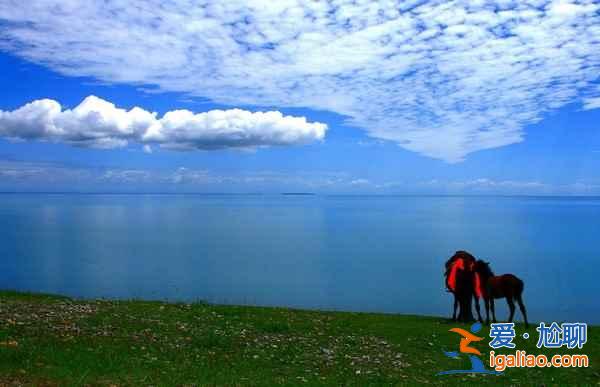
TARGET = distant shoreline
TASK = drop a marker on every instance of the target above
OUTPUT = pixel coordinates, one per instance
(375, 195)
(298, 193)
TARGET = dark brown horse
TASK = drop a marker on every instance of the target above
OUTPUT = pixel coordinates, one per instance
(503, 286)
(462, 282)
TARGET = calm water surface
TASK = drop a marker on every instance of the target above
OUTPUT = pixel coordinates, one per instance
(362, 253)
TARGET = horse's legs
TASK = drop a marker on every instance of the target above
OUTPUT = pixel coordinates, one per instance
(522, 307)
(511, 306)
(487, 310)
(477, 308)
(492, 306)
(455, 308)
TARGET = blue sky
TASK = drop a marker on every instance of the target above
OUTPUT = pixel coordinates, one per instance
(359, 98)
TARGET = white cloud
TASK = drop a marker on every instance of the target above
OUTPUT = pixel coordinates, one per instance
(16, 171)
(489, 184)
(15, 175)
(486, 185)
(442, 78)
(182, 129)
(360, 182)
(591, 103)
(98, 123)
(127, 176)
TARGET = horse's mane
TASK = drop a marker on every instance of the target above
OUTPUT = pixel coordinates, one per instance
(483, 267)
(465, 255)
(461, 260)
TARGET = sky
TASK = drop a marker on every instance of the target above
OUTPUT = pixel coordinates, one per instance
(375, 97)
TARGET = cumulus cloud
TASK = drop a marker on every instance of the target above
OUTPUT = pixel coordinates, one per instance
(100, 124)
(441, 78)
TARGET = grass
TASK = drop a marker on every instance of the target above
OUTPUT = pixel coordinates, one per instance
(52, 340)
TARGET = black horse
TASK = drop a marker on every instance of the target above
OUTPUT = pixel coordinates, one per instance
(462, 282)
(504, 286)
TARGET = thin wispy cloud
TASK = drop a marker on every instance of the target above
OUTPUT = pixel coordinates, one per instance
(441, 78)
(18, 171)
(16, 174)
(484, 184)
(100, 124)
(65, 176)
(591, 103)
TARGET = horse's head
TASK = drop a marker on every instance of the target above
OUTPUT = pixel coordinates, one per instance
(483, 268)
(467, 258)
(465, 255)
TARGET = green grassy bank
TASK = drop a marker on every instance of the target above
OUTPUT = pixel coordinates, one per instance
(51, 340)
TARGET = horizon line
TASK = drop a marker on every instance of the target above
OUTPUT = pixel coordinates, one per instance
(295, 194)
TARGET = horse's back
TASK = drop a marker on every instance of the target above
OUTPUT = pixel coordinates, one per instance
(506, 285)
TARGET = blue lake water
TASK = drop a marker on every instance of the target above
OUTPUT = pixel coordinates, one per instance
(359, 253)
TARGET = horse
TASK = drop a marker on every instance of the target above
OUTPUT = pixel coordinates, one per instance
(463, 283)
(506, 286)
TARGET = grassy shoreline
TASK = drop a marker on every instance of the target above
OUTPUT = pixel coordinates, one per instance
(54, 340)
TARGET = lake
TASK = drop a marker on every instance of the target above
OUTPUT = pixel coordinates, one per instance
(355, 253)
